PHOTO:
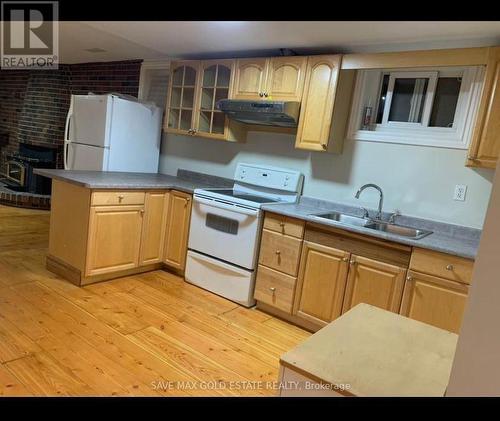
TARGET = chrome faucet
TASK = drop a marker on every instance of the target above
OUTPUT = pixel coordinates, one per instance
(380, 202)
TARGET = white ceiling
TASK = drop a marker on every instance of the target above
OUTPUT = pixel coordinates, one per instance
(196, 39)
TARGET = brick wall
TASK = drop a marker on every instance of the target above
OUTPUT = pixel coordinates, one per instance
(118, 76)
(34, 103)
(12, 88)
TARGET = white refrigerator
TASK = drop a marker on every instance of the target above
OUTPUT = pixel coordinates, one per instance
(111, 133)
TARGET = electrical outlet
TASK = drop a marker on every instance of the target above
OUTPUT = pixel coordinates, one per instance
(460, 191)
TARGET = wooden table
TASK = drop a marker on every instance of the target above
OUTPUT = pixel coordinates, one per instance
(370, 352)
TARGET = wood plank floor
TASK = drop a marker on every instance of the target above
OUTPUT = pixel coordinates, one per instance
(145, 335)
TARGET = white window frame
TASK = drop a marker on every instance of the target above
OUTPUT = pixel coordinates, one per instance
(429, 97)
(456, 137)
(144, 80)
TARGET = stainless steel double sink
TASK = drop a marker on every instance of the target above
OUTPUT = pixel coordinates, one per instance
(373, 224)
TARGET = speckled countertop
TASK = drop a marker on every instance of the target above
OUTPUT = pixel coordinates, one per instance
(185, 181)
(447, 238)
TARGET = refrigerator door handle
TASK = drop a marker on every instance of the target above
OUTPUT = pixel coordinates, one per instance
(66, 134)
(65, 154)
(68, 122)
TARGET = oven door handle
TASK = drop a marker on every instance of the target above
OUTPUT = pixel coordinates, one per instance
(226, 206)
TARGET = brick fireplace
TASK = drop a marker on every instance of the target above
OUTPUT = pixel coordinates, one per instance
(33, 108)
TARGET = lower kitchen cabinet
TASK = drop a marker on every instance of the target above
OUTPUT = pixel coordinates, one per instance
(177, 229)
(97, 235)
(275, 288)
(153, 227)
(114, 238)
(373, 282)
(435, 301)
(321, 283)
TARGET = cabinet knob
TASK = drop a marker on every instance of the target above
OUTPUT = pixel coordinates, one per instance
(345, 259)
(323, 146)
(141, 212)
(261, 94)
(409, 278)
(352, 262)
(282, 224)
(266, 94)
(449, 267)
(193, 131)
(278, 252)
(272, 289)
(121, 197)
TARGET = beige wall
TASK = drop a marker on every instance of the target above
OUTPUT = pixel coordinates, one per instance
(419, 181)
(476, 368)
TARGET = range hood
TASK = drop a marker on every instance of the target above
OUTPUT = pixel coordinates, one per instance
(269, 113)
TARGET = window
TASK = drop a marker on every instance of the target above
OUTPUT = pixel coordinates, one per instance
(432, 107)
(153, 82)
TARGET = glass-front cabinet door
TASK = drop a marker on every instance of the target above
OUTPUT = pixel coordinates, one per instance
(215, 81)
(182, 97)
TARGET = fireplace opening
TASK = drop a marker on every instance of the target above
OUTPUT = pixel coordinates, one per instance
(19, 174)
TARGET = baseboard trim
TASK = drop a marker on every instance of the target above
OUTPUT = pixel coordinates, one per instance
(74, 275)
(280, 314)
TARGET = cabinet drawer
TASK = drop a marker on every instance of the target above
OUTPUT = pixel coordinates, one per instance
(104, 198)
(280, 252)
(284, 225)
(443, 265)
(275, 288)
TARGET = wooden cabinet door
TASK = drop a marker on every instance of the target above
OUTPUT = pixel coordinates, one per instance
(153, 228)
(114, 238)
(434, 301)
(285, 78)
(485, 146)
(318, 100)
(250, 78)
(215, 83)
(372, 282)
(178, 219)
(180, 117)
(321, 283)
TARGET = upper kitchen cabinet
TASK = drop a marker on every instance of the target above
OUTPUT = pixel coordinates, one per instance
(485, 146)
(285, 78)
(182, 96)
(325, 104)
(250, 78)
(215, 83)
(195, 89)
(276, 78)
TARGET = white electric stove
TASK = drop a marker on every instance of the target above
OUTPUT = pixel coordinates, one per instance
(225, 229)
